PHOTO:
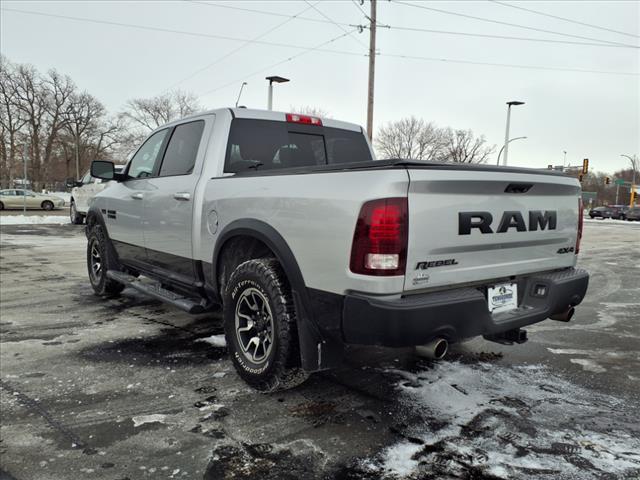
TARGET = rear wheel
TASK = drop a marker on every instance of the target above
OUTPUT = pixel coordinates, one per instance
(76, 218)
(47, 205)
(100, 258)
(260, 326)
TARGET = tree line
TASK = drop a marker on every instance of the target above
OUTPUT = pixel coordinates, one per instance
(61, 129)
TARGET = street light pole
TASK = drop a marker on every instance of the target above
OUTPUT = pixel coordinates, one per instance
(564, 162)
(506, 133)
(273, 79)
(634, 167)
(517, 138)
(24, 179)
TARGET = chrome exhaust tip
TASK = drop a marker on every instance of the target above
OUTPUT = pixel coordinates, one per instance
(435, 350)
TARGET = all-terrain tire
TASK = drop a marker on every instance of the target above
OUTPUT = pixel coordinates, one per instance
(76, 218)
(100, 250)
(263, 282)
(47, 205)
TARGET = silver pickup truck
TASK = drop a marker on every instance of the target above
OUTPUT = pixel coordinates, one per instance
(309, 243)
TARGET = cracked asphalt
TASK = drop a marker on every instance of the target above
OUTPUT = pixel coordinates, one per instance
(124, 388)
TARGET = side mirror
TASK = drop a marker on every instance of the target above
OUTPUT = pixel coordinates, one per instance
(103, 170)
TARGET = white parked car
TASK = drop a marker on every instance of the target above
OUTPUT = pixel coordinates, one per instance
(83, 191)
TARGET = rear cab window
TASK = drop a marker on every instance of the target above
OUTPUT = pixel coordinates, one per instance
(272, 145)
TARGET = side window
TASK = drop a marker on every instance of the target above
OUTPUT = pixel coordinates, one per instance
(87, 178)
(19, 193)
(180, 156)
(143, 162)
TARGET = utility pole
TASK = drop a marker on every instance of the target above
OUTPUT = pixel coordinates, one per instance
(372, 67)
(77, 156)
(24, 179)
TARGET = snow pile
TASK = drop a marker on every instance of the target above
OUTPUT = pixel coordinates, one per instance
(33, 220)
(509, 422)
(153, 418)
(215, 340)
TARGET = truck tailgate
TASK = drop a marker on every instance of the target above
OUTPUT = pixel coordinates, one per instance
(476, 225)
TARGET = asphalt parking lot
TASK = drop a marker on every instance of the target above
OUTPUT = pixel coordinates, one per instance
(126, 388)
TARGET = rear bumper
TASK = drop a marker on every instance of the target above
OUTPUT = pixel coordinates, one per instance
(456, 314)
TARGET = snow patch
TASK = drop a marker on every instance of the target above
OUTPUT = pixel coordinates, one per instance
(511, 422)
(33, 220)
(215, 340)
(588, 365)
(153, 418)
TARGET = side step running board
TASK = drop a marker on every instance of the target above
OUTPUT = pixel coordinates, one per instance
(154, 290)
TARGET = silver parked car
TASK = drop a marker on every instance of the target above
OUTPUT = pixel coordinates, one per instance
(18, 198)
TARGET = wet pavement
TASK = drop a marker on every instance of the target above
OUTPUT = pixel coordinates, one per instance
(125, 388)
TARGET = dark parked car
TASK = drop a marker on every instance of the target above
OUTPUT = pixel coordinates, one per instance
(619, 211)
(602, 212)
(633, 214)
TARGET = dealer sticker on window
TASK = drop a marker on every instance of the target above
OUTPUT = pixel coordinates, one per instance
(503, 297)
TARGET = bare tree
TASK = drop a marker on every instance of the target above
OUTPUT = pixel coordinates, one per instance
(463, 147)
(151, 113)
(12, 120)
(411, 138)
(84, 115)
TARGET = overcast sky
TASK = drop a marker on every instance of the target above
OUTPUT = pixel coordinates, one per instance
(594, 115)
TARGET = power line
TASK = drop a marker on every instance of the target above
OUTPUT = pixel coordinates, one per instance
(416, 29)
(158, 29)
(237, 49)
(499, 22)
(355, 2)
(316, 49)
(505, 37)
(537, 12)
(307, 50)
(332, 21)
(508, 65)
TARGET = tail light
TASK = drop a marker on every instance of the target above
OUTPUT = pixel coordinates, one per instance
(580, 224)
(380, 240)
(305, 119)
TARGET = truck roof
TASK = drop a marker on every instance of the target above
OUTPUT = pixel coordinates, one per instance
(258, 114)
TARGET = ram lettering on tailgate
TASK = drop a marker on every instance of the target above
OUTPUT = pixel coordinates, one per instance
(510, 219)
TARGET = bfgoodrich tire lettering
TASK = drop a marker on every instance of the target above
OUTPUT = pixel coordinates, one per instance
(100, 258)
(260, 326)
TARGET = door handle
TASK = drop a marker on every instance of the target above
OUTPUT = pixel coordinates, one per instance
(186, 196)
(137, 196)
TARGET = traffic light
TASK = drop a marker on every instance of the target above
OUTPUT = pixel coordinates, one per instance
(585, 166)
(607, 180)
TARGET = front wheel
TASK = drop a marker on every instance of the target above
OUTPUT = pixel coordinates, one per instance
(76, 218)
(100, 258)
(260, 326)
(47, 205)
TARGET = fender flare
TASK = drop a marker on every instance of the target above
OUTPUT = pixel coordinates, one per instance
(311, 337)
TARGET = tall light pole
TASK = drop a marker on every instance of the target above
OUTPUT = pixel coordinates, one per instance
(634, 167)
(564, 162)
(273, 79)
(506, 134)
(511, 140)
